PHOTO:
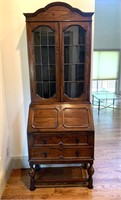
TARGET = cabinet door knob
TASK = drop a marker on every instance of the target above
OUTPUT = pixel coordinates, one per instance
(44, 142)
(77, 153)
(45, 154)
(77, 140)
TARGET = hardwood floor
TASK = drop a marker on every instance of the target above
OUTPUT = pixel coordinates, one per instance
(107, 177)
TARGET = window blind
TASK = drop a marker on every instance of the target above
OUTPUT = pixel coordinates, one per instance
(105, 65)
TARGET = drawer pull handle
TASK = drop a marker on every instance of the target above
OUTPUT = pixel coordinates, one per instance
(45, 154)
(44, 142)
(77, 140)
(77, 153)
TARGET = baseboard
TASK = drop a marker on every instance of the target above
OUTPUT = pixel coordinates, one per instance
(20, 162)
(14, 163)
(5, 177)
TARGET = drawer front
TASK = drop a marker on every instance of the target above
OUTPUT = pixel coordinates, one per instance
(45, 153)
(60, 139)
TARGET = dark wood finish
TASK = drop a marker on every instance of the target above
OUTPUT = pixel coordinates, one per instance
(60, 123)
(59, 16)
(58, 12)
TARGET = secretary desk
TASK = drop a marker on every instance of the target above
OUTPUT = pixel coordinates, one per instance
(60, 128)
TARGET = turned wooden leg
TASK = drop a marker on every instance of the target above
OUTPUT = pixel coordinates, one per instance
(85, 165)
(90, 173)
(32, 176)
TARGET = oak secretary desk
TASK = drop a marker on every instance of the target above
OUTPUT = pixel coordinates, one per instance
(60, 123)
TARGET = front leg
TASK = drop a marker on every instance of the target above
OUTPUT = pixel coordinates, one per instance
(32, 177)
(85, 165)
(90, 173)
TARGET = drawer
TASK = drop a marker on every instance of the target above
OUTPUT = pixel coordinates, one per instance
(62, 153)
(46, 139)
(60, 139)
(76, 138)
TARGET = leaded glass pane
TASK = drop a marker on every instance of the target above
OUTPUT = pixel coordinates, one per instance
(74, 61)
(44, 58)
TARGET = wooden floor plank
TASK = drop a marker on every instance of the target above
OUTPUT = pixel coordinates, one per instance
(107, 177)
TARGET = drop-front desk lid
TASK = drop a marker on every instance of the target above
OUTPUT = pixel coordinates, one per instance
(60, 117)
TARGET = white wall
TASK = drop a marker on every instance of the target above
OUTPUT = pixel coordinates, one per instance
(4, 135)
(15, 95)
(5, 156)
(107, 34)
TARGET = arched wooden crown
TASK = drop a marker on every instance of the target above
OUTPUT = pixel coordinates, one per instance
(58, 11)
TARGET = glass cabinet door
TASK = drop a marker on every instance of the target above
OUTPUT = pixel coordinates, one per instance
(59, 61)
(74, 61)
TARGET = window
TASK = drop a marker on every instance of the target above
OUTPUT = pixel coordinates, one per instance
(105, 70)
(105, 65)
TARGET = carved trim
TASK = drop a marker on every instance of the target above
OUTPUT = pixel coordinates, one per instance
(89, 14)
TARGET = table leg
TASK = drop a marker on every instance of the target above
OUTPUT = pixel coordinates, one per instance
(92, 99)
(98, 106)
(113, 102)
